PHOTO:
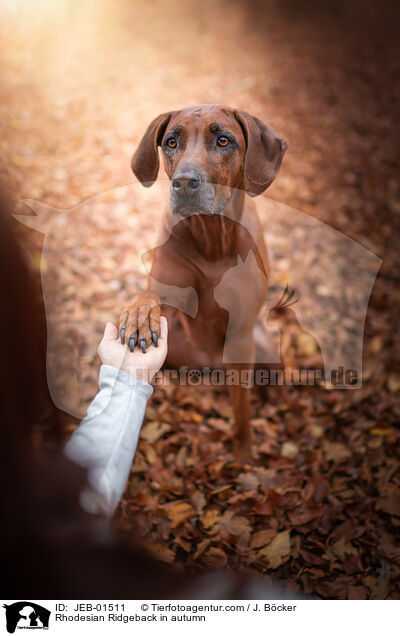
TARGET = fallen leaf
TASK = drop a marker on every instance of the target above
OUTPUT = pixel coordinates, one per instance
(375, 344)
(236, 526)
(357, 593)
(393, 382)
(384, 432)
(342, 549)
(335, 451)
(150, 453)
(247, 481)
(185, 545)
(202, 546)
(303, 514)
(261, 538)
(214, 559)
(380, 592)
(289, 450)
(276, 553)
(390, 502)
(389, 550)
(161, 552)
(178, 512)
(210, 518)
(152, 431)
(219, 424)
(198, 500)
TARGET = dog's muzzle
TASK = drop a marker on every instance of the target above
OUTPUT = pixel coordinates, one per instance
(186, 183)
(189, 194)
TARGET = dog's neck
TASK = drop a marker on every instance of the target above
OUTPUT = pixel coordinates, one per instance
(215, 236)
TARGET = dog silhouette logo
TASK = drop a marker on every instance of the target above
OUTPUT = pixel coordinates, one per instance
(98, 254)
(26, 615)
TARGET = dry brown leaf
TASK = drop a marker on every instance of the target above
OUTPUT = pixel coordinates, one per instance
(393, 382)
(383, 432)
(259, 422)
(343, 549)
(268, 448)
(150, 453)
(210, 518)
(357, 593)
(375, 344)
(178, 512)
(198, 500)
(261, 538)
(152, 431)
(236, 526)
(276, 552)
(185, 545)
(219, 424)
(335, 451)
(247, 481)
(197, 418)
(202, 546)
(380, 592)
(390, 551)
(214, 558)
(289, 450)
(303, 514)
(390, 502)
(181, 457)
(161, 552)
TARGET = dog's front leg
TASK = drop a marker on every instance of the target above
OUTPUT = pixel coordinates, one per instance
(239, 354)
(241, 433)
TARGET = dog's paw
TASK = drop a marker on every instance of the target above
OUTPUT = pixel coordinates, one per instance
(139, 323)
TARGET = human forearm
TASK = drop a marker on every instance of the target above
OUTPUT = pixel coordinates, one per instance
(106, 439)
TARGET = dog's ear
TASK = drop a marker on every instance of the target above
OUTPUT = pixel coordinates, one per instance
(264, 153)
(145, 162)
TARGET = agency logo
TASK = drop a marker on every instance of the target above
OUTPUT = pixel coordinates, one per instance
(26, 615)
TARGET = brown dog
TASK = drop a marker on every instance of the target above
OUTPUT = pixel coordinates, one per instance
(213, 156)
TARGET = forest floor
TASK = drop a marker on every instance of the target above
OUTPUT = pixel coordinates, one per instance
(318, 506)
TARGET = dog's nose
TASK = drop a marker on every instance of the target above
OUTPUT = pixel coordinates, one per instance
(186, 182)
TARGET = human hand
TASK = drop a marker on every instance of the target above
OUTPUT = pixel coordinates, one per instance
(141, 366)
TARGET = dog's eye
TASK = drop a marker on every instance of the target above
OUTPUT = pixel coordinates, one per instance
(171, 142)
(222, 141)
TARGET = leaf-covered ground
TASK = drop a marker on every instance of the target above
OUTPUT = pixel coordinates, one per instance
(318, 506)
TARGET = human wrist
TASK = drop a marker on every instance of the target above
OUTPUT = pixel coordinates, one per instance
(110, 375)
(140, 374)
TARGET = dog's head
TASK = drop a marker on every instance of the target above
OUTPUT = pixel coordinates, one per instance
(209, 151)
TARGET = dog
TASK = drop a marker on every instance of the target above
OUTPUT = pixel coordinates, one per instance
(217, 158)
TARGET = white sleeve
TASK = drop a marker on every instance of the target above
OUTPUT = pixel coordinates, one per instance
(106, 440)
